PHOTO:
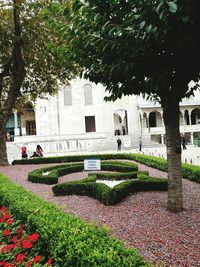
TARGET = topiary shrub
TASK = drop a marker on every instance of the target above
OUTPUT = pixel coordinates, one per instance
(134, 182)
(50, 175)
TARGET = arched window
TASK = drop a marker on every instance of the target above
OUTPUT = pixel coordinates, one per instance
(67, 96)
(88, 94)
(152, 119)
(120, 122)
(195, 116)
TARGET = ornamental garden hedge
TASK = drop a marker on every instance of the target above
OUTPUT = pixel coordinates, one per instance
(132, 181)
(190, 172)
(66, 238)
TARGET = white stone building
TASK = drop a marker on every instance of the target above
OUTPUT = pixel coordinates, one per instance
(78, 119)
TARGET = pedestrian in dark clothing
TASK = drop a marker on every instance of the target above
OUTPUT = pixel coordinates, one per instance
(140, 145)
(183, 142)
(119, 144)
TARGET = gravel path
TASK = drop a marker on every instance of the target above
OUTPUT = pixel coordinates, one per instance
(141, 220)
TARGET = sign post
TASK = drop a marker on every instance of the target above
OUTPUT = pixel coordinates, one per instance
(92, 165)
(127, 142)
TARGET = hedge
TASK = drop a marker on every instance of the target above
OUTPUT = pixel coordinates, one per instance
(107, 195)
(54, 172)
(66, 238)
(190, 172)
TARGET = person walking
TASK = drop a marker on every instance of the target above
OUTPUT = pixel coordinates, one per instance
(119, 144)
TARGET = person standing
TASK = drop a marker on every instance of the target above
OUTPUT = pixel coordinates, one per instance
(119, 144)
(183, 141)
(140, 144)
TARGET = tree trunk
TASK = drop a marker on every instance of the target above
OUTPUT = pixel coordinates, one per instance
(15, 68)
(173, 143)
(3, 149)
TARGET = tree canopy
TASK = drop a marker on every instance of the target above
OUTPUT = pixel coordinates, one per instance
(133, 47)
(27, 67)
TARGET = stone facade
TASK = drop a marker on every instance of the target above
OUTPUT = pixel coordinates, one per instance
(78, 119)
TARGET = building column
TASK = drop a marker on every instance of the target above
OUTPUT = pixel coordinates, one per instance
(16, 129)
(189, 114)
(183, 115)
(162, 139)
(162, 120)
(192, 138)
(148, 122)
(141, 121)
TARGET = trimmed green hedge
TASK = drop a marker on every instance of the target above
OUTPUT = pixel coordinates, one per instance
(53, 173)
(66, 238)
(107, 195)
(190, 172)
(64, 159)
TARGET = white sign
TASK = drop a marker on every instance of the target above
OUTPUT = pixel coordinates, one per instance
(23, 131)
(127, 142)
(92, 165)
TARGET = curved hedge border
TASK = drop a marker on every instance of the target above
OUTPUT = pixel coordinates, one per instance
(66, 238)
(52, 173)
(190, 172)
(107, 195)
(89, 185)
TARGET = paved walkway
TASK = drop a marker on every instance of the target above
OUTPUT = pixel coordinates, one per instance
(191, 155)
(141, 220)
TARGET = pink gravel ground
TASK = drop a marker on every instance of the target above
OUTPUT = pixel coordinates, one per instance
(141, 220)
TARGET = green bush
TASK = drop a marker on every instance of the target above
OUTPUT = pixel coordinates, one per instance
(63, 159)
(66, 238)
(190, 172)
(117, 176)
(37, 176)
(105, 194)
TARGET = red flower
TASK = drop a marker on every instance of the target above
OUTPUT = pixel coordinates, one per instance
(20, 257)
(5, 217)
(28, 264)
(49, 262)
(34, 237)
(3, 209)
(19, 231)
(27, 244)
(36, 259)
(2, 263)
(9, 265)
(6, 232)
(9, 247)
(19, 243)
(14, 239)
(9, 221)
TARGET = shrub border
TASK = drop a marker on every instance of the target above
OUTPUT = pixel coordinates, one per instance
(190, 172)
(69, 240)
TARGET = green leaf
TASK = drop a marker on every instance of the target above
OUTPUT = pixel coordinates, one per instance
(172, 7)
(142, 24)
(149, 28)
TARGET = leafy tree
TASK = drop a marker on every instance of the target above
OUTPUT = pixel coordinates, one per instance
(26, 65)
(132, 47)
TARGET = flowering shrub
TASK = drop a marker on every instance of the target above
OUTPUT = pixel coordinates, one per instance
(17, 248)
